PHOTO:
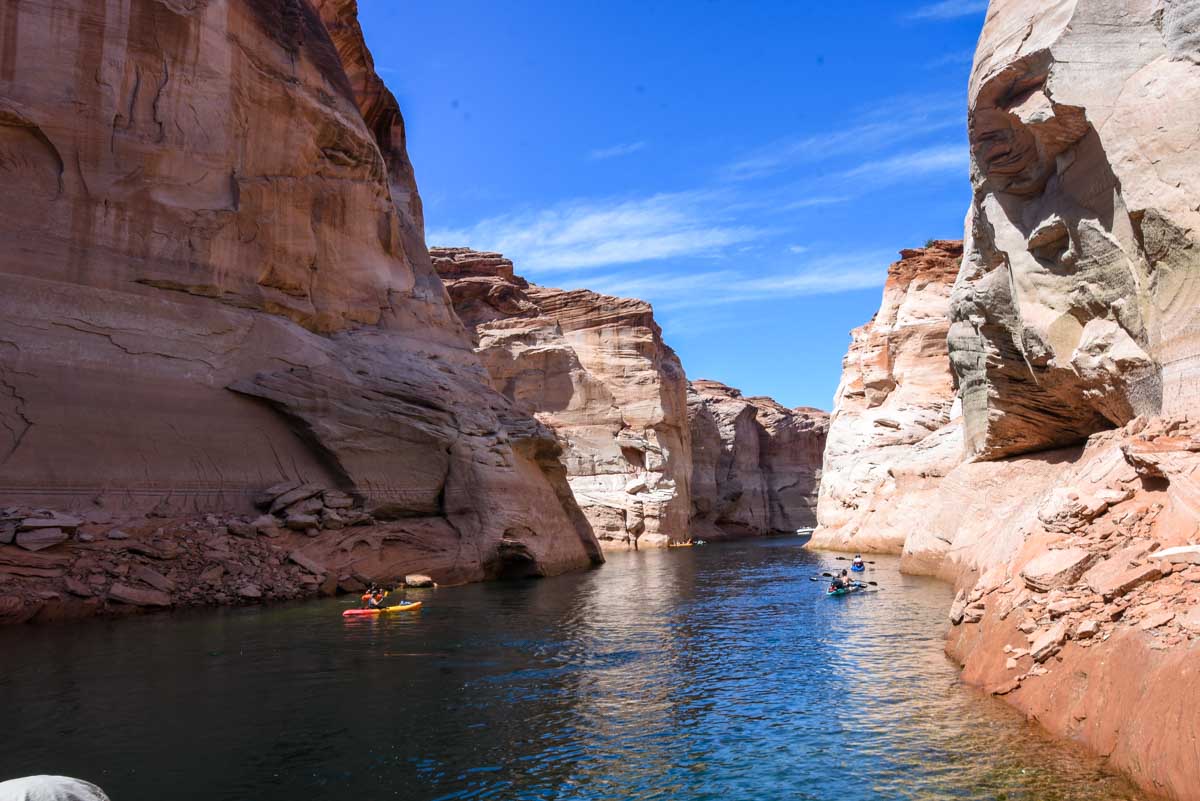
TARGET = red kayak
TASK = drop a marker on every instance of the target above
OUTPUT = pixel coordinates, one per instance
(397, 608)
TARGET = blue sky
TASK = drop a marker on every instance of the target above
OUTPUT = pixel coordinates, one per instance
(751, 168)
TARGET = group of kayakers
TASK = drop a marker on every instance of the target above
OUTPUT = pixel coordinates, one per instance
(842, 581)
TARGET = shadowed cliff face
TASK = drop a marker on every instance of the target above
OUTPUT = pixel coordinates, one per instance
(213, 278)
(756, 464)
(595, 369)
(1076, 307)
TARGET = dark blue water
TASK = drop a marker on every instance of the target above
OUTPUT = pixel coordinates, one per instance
(718, 672)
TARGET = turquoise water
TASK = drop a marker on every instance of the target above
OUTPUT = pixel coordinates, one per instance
(717, 672)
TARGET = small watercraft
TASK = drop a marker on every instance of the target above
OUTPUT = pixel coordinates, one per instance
(397, 608)
(845, 590)
(858, 568)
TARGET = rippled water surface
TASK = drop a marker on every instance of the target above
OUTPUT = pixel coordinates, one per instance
(718, 672)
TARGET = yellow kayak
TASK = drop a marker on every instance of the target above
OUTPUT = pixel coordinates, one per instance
(397, 608)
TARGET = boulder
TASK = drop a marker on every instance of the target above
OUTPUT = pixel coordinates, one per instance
(418, 580)
(117, 534)
(1057, 569)
(1156, 619)
(249, 591)
(301, 522)
(1048, 643)
(38, 539)
(1087, 629)
(240, 528)
(303, 492)
(77, 587)
(136, 596)
(1067, 509)
(265, 498)
(1113, 577)
(64, 522)
(152, 577)
(266, 525)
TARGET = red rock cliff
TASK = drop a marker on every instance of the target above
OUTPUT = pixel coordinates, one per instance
(756, 464)
(1070, 519)
(894, 430)
(213, 279)
(595, 369)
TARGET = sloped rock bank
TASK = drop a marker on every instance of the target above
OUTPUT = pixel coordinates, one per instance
(756, 465)
(595, 370)
(213, 278)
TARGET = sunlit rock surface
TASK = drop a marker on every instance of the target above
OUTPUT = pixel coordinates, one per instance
(894, 430)
(213, 279)
(594, 369)
(1077, 305)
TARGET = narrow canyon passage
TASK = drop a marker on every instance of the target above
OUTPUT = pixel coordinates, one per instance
(710, 672)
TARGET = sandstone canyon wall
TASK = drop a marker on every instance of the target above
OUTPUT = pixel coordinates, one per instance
(594, 369)
(1070, 518)
(756, 464)
(894, 431)
(1079, 302)
(213, 279)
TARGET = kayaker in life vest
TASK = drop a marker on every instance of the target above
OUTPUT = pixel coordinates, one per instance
(373, 598)
(858, 560)
(840, 582)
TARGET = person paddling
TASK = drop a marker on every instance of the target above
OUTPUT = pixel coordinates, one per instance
(840, 581)
(858, 562)
(373, 598)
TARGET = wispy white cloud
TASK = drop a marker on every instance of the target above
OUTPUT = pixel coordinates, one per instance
(616, 150)
(884, 128)
(823, 276)
(949, 9)
(913, 164)
(797, 249)
(595, 233)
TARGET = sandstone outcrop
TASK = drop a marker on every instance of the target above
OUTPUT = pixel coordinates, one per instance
(594, 369)
(1078, 306)
(213, 279)
(756, 465)
(894, 431)
(1068, 518)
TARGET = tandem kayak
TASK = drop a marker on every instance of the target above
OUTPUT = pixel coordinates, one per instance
(845, 590)
(858, 568)
(396, 608)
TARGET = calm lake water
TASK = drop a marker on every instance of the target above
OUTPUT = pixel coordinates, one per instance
(717, 672)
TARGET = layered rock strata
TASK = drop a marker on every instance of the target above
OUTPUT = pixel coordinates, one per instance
(894, 431)
(1070, 520)
(594, 369)
(1076, 312)
(213, 279)
(1078, 306)
(756, 464)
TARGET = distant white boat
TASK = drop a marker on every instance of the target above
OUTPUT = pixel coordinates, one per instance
(804, 532)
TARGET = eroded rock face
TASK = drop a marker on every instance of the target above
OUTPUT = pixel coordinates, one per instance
(213, 279)
(756, 464)
(894, 430)
(1077, 305)
(595, 370)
